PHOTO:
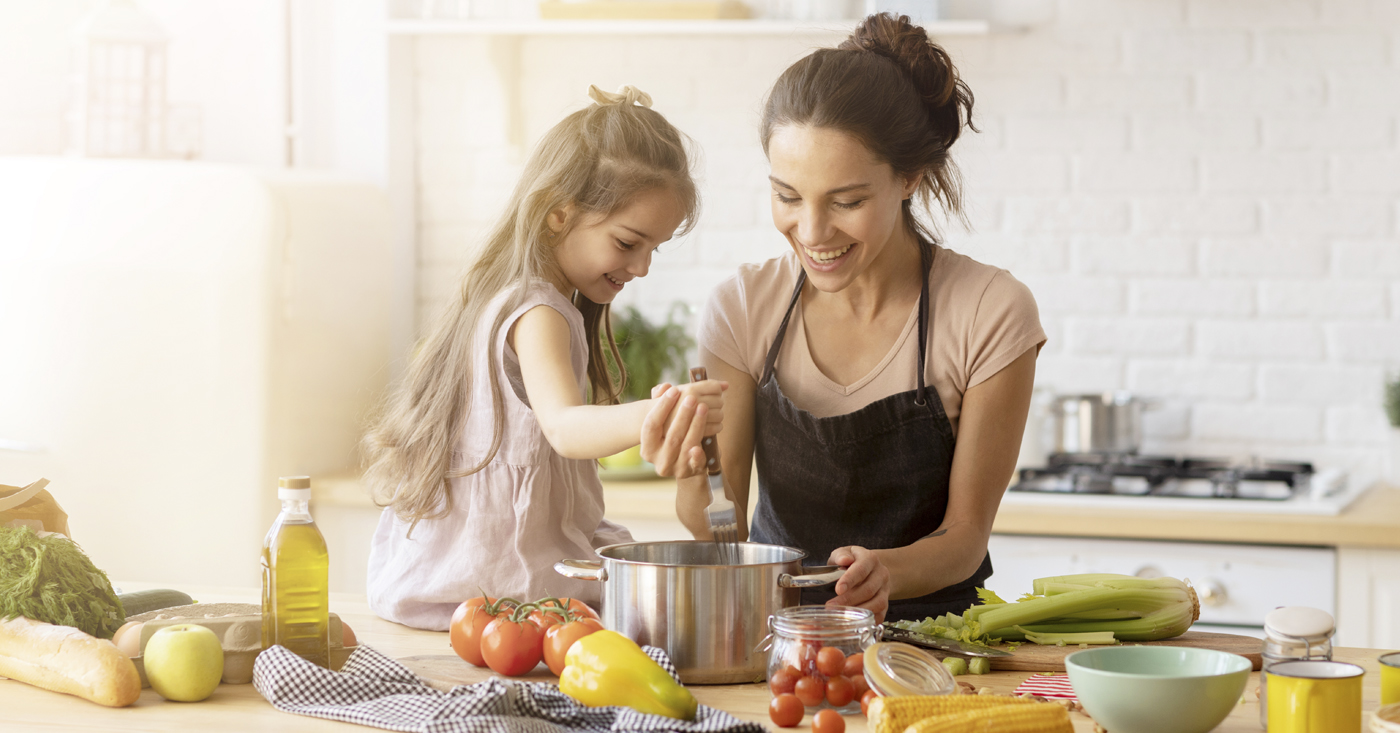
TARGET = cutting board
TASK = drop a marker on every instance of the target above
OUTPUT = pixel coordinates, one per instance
(1036, 658)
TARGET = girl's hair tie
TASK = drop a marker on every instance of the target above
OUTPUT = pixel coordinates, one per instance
(628, 95)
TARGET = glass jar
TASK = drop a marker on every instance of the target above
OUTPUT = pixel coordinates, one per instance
(816, 652)
(1292, 633)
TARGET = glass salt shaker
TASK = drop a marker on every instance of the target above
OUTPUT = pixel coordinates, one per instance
(1293, 633)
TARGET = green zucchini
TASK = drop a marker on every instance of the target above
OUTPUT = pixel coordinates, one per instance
(138, 602)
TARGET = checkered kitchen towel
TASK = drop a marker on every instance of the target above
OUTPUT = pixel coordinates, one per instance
(372, 689)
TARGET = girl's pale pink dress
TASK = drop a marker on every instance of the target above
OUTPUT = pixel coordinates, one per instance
(512, 520)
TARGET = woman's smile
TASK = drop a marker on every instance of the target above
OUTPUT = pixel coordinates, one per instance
(826, 260)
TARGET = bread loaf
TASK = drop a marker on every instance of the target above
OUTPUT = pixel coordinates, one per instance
(64, 659)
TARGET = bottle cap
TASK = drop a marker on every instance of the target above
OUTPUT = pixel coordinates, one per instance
(1300, 622)
(294, 487)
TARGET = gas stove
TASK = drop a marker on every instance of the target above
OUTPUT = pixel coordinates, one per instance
(1191, 483)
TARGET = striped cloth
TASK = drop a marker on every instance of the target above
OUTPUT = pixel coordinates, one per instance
(1054, 685)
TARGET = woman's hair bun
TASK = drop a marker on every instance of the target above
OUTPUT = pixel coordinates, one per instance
(946, 96)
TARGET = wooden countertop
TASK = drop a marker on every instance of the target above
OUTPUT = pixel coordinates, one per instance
(1373, 520)
(239, 708)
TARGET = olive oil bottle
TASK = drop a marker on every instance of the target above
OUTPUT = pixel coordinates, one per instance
(296, 577)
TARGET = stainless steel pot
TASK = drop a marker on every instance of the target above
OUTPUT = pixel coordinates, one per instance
(709, 617)
(1099, 423)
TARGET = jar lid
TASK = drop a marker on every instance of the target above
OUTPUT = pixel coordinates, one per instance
(1299, 622)
(893, 668)
(822, 622)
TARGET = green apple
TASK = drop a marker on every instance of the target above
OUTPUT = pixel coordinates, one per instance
(184, 662)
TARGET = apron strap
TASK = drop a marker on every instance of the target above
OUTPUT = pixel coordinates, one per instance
(772, 358)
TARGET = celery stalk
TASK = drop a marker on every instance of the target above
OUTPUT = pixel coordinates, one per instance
(1169, 621)
(1059, 639)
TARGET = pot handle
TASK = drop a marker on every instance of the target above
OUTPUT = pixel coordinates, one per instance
(581, 569)
(812, 577)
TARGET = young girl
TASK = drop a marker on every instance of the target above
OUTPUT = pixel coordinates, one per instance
(484, 457)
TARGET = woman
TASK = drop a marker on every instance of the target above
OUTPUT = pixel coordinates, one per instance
(880, 381)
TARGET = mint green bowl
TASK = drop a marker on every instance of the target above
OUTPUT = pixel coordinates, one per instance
(1157, 689)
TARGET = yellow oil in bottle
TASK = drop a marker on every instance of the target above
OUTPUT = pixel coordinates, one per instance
(296, 578)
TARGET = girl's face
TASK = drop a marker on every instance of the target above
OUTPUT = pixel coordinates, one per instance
(600, 254)
(838, 206)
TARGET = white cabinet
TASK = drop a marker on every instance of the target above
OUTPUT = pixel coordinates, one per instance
(1368, 590)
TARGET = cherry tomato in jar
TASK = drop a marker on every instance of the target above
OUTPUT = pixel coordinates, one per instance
(810, 690)
(803, 656)
(855, 665)
(865, 701)
(828, 721)
(468, 623)
(559, 637)
(830, 661)
(860, 684)
(839, 691)
(784, 681)
(786, 710)
(512, 646)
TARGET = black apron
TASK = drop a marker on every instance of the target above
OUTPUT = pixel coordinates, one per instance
(877, 477)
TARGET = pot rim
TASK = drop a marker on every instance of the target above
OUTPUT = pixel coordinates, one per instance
(798, 559)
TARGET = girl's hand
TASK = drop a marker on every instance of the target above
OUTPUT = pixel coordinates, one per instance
(709, 393)
(866, 583)
(672, 431)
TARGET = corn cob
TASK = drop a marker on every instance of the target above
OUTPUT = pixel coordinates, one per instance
(895, 714)
(1036, 717)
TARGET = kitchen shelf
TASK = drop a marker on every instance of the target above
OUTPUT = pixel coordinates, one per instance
(656, 27)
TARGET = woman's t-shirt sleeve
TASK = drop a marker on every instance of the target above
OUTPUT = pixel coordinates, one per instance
(724, 326)
(1007, 324)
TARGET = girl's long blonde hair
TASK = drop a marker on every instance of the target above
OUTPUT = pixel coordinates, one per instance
(597, 159)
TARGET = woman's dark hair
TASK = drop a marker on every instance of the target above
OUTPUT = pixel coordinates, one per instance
(896, 92)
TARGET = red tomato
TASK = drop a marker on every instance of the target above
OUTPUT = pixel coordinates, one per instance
(512, 647)
(468, 623)
(830, 661)
(865, 701)
(803, 656)
(860, 684)
(839, 691)
(786, 711)
(579, 608)
(559, 637)
(546, 619)
(855, 665)
(828, 721)
(810, 690)
(783, 681)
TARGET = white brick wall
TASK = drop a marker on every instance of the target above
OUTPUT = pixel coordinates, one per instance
(1203, 195)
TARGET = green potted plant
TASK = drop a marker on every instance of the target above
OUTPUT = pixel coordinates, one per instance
(652, 353)
(1391, 402)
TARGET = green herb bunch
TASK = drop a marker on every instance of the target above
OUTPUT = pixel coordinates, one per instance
(650, 352)
(1392, 400)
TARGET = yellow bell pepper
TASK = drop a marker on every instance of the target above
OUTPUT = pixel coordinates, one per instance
(606, 668)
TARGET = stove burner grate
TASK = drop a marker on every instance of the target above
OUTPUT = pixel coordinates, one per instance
(1180, 476)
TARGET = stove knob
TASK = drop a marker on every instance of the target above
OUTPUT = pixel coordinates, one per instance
(1212, 593)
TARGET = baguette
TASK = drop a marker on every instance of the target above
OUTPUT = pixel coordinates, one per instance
(64, 659)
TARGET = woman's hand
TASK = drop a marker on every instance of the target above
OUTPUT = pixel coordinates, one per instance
(678, 419)
(866, 583)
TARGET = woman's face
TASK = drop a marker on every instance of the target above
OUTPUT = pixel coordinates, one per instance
(838, 206)
(600, 254)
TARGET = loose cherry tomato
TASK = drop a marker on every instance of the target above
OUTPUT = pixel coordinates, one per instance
(810, 690)
(784, 680)
(786, 710)
(559, 637)
(865, 701)
(855, 665)
(468, 623)
(828, 721)
(830, 661)
(512, 646)
(839, 691)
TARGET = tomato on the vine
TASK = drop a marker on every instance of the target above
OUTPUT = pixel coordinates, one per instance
(513, 646)
(579, 608)
(559, 637)
(468, 623)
